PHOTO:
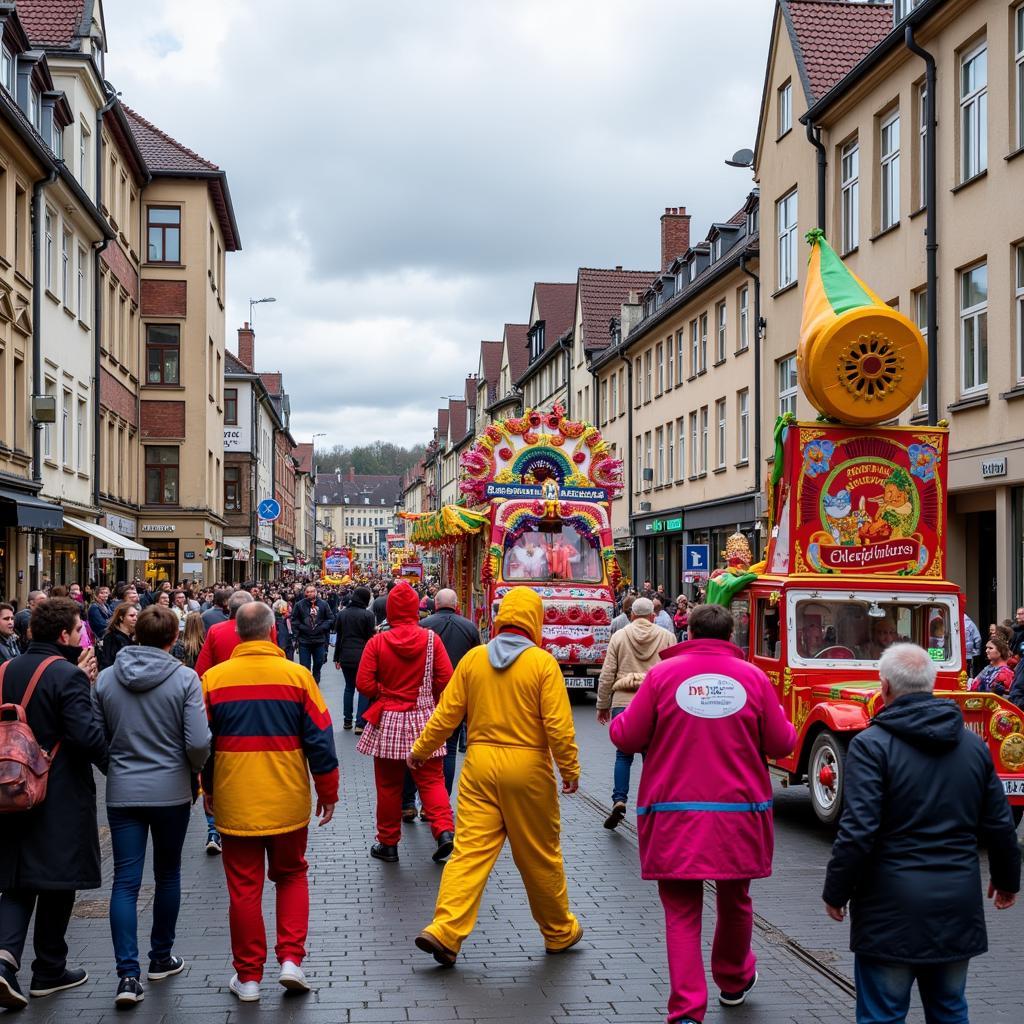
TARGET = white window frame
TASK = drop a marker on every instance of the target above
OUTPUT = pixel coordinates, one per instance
(920, 301)
(1018, 71)
(7, 72)
(721, 433)
(694, 349)
(80, 424)
(705, 430)
(889, 163)
(743, 425)
(659, 444)
(648, 374)
(48, 221)
(973, 320)
(65, 429)
(694, 448)
(786, 212)
(614, 396)
(974, 111)
(849, 196)
(83, 283)
(680, 355)
(744, 304)
(670, 453)
(670, 363)
(703, 318)
(660, 359)
(785, 108)
(681, 450)
(1018, 300)
(638, 370)
(639, 482)
(786, 381)
(65, 271)
(721, 330)
(922, 144)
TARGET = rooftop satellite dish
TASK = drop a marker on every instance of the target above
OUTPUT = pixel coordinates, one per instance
(742, 158)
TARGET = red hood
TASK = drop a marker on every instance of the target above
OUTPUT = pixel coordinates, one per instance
(403, 606)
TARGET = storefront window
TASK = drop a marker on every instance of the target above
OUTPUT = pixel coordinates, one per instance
(63, 561)
(163, 561)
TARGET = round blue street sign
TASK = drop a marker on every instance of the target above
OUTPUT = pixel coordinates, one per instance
(269, 509)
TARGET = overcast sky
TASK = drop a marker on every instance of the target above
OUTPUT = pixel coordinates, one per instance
(402, 173)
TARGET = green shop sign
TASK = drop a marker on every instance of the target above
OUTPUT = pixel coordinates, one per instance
(674, 525)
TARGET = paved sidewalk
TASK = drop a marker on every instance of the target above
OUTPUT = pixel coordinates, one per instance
(364, 915)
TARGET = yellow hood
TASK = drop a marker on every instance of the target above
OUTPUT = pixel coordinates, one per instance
(521, 607)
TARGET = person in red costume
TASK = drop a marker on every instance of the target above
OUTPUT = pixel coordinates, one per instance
(403, 672)
(561, 557)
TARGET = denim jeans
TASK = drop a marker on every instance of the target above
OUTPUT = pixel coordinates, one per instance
(623, 764)
(883, 991)
(129, 830)
(313, 656)
(352, 698)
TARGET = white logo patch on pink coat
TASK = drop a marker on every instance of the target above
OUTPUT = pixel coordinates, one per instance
(711, 696)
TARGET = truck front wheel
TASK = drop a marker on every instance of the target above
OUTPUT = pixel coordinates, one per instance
(826, 775)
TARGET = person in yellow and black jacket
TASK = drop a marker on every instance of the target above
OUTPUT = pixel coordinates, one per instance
(271, 730)
(513, 695)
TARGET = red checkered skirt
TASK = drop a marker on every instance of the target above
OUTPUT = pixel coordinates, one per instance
(394, 737)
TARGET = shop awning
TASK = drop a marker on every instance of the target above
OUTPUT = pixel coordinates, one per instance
(237, 543)
(20, 509)
(265, 554)
(108, 539)
(445, 526)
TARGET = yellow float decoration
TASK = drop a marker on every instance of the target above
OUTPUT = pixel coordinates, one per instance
(859, 360)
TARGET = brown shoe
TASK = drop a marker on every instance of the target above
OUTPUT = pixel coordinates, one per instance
(562, 949)
(408, 814)
(442, 954)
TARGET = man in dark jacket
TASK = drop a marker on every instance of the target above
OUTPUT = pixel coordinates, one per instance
(380, 603)
(921, 792)
(49, 852)
(218, 610)
(312, 622)
(459, 637)
(22, 618)
(9, 646)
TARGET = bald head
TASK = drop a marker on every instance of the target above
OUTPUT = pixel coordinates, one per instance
(255, 621)
(446, 599)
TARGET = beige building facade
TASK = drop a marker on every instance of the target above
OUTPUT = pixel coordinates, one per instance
(870, 114)
(675, 396)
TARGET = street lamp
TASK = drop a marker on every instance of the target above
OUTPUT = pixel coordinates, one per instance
(316, 514)
(256, 302)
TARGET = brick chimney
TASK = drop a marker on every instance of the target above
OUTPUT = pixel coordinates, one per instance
(675, 234)
(247, 346)
(351, 474)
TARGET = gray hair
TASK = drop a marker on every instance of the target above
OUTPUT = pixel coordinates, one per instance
(254, 621)
(908, 669)
(280, 607)
(236, 600)
(641, 608)
(446, 598)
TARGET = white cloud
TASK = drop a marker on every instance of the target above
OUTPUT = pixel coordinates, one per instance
(403, 173)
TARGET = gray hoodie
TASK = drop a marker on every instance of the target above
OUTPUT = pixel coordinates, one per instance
(151, 709)
(503, 650)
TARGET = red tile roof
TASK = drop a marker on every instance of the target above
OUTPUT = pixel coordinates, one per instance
(602, 293)
(490, 359)
(556, 306)
(442, 423)
(471, 385)
(160, 151)
(272, 382)
(457, 418)
(303, 454)
(53, 23)
(518, 356)
(830, 37)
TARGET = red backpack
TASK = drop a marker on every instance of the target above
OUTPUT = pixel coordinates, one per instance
(24, 765)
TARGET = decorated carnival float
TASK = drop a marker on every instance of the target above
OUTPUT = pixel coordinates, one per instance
(856, 558)
(537, 491)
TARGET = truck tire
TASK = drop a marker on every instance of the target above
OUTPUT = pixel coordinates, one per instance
(826, 775)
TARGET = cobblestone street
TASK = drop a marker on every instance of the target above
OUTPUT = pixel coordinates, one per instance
(364, 915)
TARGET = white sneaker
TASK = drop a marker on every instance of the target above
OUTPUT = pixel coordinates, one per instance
(247, 991)
(292, 977)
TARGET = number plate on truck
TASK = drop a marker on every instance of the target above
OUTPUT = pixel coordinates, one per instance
(1013, 787)
(586, 683)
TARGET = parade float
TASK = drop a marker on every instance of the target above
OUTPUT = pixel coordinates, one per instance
(856, 558)
(338, 567)
(537, 491)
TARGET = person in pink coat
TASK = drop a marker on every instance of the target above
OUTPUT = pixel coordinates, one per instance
(706, 720)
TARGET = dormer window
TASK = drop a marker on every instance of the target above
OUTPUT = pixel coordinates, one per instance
(57, 141)
(35, 108)
(7, 69)
(680, 281)
(716, 248)
(537, 340)
(692, 269)
(752, 221)
(901, 8)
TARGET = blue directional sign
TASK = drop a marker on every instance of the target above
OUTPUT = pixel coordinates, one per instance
(269, 509)
(696, 558)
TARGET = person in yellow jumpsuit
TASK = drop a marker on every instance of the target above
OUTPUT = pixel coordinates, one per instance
(513, 696)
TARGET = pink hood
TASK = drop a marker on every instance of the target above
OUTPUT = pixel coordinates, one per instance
(706, 719)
